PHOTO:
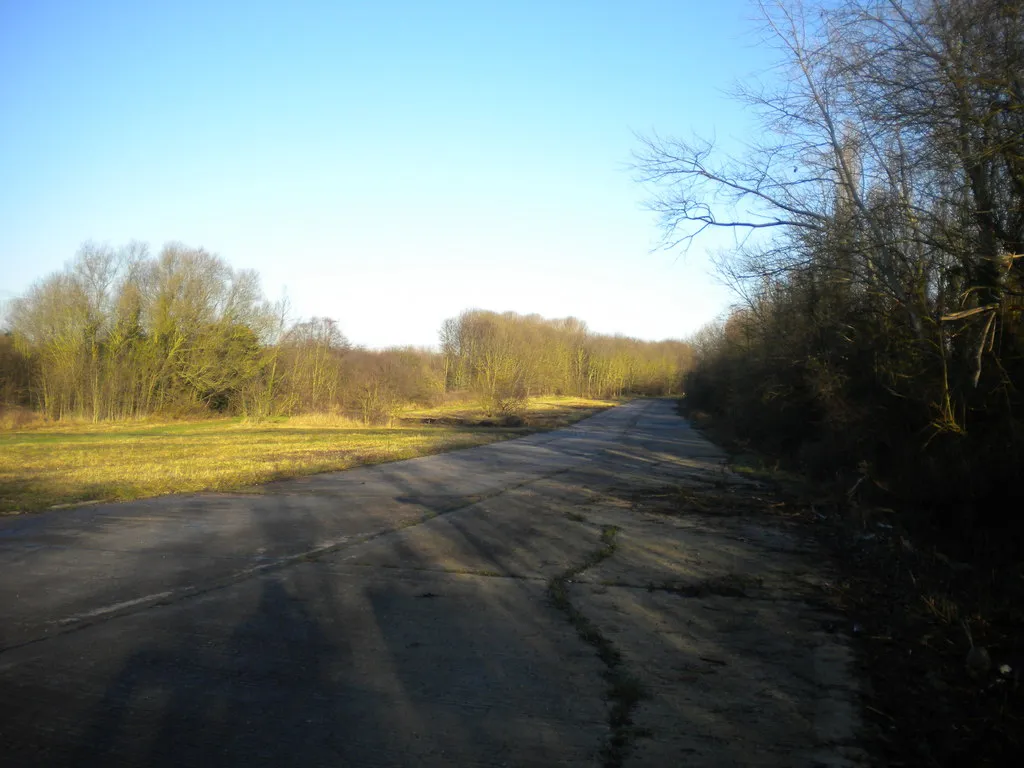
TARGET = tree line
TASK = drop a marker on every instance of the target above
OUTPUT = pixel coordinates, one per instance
(879, 331)
(506, 358)
(122, 333)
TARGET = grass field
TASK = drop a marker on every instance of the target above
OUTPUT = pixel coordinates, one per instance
(64, 464)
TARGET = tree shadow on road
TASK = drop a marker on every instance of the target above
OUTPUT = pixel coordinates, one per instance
(262, 696)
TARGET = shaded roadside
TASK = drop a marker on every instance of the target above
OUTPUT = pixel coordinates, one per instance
(915, 603)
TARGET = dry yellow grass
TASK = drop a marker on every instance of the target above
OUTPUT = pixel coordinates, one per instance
(70, 464)
(541, 412)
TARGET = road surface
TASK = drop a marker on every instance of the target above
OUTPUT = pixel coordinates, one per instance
(526, 603)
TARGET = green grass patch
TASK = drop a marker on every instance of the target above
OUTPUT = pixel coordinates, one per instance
(60, 464)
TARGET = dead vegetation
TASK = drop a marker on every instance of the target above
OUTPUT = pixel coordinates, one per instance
(940, 695)
(940, 640)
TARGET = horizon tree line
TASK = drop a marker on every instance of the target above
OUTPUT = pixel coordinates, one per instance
(121, 333)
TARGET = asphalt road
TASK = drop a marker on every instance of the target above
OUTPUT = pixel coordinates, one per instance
(516, 604)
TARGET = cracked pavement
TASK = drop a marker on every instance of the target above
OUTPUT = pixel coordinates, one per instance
(402, 614)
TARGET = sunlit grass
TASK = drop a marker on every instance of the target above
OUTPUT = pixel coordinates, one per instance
(69, 464)
(542, 412)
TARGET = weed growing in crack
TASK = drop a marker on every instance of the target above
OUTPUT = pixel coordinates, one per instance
(624, 691)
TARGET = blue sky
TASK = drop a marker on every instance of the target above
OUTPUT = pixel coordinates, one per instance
(387, 164)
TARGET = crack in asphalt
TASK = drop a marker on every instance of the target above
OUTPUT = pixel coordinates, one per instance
(624, 690)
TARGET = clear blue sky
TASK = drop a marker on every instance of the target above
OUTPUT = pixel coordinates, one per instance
(388, 164)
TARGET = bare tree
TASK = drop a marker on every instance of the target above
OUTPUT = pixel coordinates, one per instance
(882, 298)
